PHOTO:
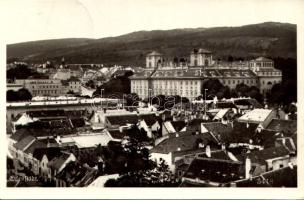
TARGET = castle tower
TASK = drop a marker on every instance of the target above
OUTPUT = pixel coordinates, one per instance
(153, 60)
(201, 58)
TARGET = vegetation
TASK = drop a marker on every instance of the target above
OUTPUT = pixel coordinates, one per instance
(245, 42)
(21, 95)
(22, 71)
(158, 176)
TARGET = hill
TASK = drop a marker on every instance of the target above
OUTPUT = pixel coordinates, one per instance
(269, 39)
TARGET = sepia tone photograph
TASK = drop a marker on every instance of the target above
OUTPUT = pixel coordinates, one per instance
(157, 94)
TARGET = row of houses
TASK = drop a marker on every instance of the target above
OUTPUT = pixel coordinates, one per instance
(255, 142)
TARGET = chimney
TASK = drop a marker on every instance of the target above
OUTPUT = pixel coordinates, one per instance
(208, 151)
(247, 168)
(223, 146)
(177, 135)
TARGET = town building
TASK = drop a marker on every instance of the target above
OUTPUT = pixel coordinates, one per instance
(187, 79)
(43, 87)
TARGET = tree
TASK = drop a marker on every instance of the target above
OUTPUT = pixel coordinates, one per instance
(132, 99)
(24, 95)
(158, 176)
(11, 96)
(21, 95)
(242, 89)
(90, 84)
(215, 88)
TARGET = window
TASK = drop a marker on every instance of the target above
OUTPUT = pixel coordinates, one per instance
(281, 165)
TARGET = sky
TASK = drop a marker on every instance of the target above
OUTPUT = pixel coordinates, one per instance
(51, 19)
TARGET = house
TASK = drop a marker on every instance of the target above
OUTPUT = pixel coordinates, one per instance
(91, 141)
(29, 160)
(184, 158)
(214, 172)
(166, 115)
(19, 148)
(101, 180)
(258, 116)
(22, 119)
(269, 159)
(43, 156)
(173, 127)
(120, 120)
(283, 177)
(117, 134)
(73, 85)
(287, 127)
(247, 104)
(225, 113)
(177, 142)
(57, 164)
(15, 138)
(75, 175)
(151, 124)
(98, 119)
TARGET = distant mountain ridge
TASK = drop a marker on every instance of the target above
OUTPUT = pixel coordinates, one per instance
(269, 39)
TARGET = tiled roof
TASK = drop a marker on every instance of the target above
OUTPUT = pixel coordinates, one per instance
(182, 141)
(73, 79)
(242, 132)
(57, 162)
(288, 127)
(154, 53)
(178, 125)
(284, 177)
(263, 59)
(265, 154)
(35, 145)
(78, 122)
(219, 130)
(24, 142)
(50, 153)
(248, 102)
(256, 115)
(266, 138)
(116, 134)
(46, 113)
(200, 50)
(18, 135)
(219, 171)
(225, 105)
(150, 119)
(76, 175)
(122, 120)
(195, 73)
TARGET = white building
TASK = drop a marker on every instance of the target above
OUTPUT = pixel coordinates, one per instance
(159, 77)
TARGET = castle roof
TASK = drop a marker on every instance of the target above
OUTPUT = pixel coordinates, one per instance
(154, 53)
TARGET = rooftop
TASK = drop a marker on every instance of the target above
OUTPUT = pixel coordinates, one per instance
(256, 115)
(215, 170)
(288, 127)
(154, 53)
(122, 120)
(50, 153)
(23, 143)
(265, 154)
(182, 141)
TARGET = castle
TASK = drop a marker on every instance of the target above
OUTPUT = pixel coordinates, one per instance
(185, 77)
